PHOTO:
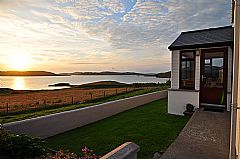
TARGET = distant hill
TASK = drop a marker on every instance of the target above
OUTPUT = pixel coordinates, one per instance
(160, 75)
(103, 73)
(163, 75)
(27, 73)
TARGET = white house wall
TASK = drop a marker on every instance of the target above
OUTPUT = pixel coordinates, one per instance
(177, 101)
(175, 69)
(177, 98)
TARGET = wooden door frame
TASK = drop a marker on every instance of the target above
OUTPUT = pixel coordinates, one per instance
(180, 69)
(225, 74)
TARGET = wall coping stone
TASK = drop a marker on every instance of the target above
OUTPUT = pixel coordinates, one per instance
(127, 150)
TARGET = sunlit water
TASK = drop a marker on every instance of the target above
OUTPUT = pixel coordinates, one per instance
(42, 82)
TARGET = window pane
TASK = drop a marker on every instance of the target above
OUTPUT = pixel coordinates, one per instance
(207, 61)
(187, 70)
(187, 55)
(213, 72)
(184, 75)
(208, 70)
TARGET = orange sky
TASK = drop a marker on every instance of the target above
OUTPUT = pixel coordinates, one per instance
(81, 35)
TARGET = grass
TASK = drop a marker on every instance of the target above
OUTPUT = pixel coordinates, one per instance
(56, 109)
(149, 126)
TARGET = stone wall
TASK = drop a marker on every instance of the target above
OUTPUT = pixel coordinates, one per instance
(127, 150)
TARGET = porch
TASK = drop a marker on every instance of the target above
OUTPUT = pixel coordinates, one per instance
(201, 69)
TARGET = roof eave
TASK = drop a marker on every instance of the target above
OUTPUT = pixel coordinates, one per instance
(196, 46)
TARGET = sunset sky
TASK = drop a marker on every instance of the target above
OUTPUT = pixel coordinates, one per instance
(99, 35)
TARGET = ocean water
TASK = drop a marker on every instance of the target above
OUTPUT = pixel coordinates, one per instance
(42, 82)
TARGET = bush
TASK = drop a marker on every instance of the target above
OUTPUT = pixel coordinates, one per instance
(168, 82)
(137, 85)
(20, 146)
(60, 155)
(86, 154)
(13, 146)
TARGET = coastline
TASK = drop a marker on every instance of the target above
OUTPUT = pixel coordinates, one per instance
(46, 73)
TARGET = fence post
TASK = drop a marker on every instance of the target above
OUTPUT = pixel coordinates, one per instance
(126, 90)
(7, 108)
(104, 93)
(116, 91)
(44, 103)
(72, 101)
(91, 96)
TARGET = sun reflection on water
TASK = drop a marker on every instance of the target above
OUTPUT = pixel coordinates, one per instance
(19, 83)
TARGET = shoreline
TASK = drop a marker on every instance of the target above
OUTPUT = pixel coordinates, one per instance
(87, 86)
(45, 73)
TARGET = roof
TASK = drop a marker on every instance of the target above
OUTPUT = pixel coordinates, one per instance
(213, 37)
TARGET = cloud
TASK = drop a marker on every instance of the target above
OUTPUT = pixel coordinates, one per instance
(124, 34)
(145, 23)
(6, 4)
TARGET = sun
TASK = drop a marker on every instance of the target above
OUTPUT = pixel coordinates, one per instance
(18, 61)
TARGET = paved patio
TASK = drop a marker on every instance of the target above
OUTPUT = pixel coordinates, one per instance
(206, 136)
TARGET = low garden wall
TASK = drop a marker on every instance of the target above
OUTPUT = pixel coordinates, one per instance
(50, 125)
(127, 150)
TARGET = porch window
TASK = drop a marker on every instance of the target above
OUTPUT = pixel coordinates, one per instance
(187, 70)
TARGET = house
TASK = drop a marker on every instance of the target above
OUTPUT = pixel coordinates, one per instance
(206, 73)
(201, 69)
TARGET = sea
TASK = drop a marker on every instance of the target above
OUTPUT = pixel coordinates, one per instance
(43, 82)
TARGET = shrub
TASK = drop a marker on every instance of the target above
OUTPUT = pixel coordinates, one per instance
(86, 154)
(168, 82)
(60, 155)
(20, 146)
(13, 146)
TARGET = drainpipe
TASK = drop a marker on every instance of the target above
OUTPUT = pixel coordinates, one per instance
(236, 85)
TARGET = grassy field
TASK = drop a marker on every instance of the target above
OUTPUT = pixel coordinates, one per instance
(149, 126)
(55, 109)
(35, 99)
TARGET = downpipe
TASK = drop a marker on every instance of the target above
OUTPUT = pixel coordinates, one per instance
(235, 87)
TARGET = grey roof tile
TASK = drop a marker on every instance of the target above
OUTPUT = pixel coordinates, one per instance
(204, 38)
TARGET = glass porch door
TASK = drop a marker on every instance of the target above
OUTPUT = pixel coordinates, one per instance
(213, 77)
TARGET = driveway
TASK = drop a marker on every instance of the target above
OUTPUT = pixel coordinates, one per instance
(206, 136)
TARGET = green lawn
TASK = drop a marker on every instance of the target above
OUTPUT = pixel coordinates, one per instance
(56, 109)
(149, 126)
